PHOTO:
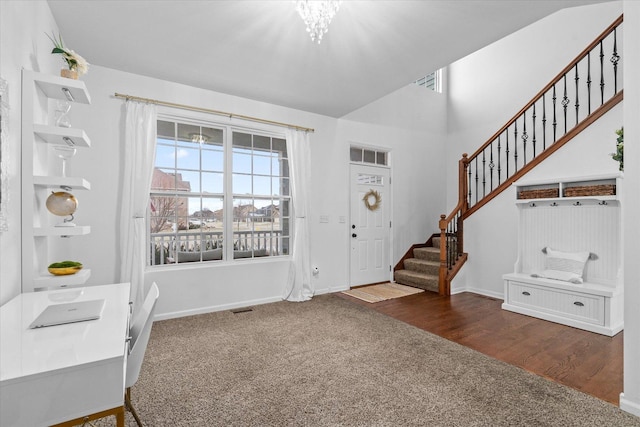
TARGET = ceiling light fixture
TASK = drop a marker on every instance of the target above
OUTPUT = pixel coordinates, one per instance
(198, 138)
(317, 15)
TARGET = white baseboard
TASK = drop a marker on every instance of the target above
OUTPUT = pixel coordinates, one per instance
(491, 294)
(232, 306)
(629, 406)
(213, 308)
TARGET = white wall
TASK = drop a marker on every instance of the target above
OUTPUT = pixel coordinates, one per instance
(630, 400)
(189, 290)
(24, 45)
(488, 87)
(497, 222)
(411, 123)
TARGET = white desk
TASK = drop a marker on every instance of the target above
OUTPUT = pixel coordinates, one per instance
(59, 373)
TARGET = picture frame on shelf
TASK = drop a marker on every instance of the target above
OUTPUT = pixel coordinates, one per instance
(4, 141)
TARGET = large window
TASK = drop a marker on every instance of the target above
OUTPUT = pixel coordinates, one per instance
(199, 212)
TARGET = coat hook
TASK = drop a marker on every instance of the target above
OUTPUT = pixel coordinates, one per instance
(577, 204)
(603, 203)
(532, 205)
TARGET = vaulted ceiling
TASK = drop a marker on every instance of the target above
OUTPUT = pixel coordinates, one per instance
(260, 49)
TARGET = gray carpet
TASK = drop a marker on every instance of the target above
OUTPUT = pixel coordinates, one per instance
(329, 362)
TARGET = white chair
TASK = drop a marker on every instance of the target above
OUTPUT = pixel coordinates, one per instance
(140, 331)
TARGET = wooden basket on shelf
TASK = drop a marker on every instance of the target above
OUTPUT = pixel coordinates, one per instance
(540, 193)
(590, 190)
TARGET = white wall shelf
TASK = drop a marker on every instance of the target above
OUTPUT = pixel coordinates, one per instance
(41, 239)
(55, 87)
(78, 230)
(61, 182)
(68, 137)
(48, 281)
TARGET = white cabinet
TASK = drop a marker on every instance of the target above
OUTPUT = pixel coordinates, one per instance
(573, 214)
(42, 174)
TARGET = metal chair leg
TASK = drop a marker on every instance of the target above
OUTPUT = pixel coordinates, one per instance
(129, 406)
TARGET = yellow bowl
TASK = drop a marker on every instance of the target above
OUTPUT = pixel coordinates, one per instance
(63, 271)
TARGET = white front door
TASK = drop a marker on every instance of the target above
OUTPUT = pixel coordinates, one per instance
(370, 227)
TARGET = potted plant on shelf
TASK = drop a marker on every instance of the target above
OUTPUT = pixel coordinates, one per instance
(618, 156)
(77, 65)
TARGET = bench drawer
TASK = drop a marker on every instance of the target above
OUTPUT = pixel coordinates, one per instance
(574, 305)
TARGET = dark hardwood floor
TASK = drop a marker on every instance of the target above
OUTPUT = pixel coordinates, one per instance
(589, 362)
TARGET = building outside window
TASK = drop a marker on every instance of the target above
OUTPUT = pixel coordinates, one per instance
(217, 193)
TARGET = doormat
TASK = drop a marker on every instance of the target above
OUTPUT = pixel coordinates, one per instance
(382, 292)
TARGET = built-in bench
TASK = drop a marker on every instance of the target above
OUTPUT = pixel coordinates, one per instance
(573, 215)
(590, 306)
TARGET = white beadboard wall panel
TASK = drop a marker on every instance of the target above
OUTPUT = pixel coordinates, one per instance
(589, 227)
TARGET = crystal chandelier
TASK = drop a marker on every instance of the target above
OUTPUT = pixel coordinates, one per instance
(317, 15)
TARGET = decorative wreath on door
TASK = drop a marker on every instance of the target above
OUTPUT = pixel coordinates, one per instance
(372, 200)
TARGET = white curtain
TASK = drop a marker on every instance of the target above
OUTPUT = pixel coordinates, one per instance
(139, 158)
(299, 287)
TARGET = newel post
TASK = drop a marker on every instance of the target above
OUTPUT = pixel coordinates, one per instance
(463, 184)
(442, 273)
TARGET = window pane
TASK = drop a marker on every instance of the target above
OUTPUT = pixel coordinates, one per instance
(241, 184)
(285, 246)
(381, 158)
(241, 163)
(241, 140)
(284, 187)
(165, 156)
(284, 208)
(188, 132)
(188, 158)
(356, 154)
(261, 144)
(369, 156)
(261, 185)
(212, 160)
(166, 129)
(211, 136)
(188, 181)
(212, 182)
(261, 165)
(280, 146)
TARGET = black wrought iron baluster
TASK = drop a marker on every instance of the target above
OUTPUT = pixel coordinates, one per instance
(544, 122)
(499, 167)
(601, 73)
(524, 138)
(589, 83)
(506, 153)
(448, 244)
(476, 163)
(491, 165)
(469, 184)
(555, 120)
(515, 146)
(484, 175)
(614, 60)
(565, 102)
(534, 131)
(577, 79)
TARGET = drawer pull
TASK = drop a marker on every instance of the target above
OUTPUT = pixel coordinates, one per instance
(526, 293)
(578, 303)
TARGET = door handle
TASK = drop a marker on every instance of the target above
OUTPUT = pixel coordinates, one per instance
(354, 235)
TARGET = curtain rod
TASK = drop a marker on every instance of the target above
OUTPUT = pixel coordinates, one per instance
(207, 110)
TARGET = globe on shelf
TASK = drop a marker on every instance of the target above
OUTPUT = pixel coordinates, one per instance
(61, 203)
